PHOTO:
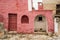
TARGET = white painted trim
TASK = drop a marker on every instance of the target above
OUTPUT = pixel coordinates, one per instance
(55, 26)
(29, 5)
(34, 4)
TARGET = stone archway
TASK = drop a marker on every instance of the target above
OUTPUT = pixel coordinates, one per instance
(40, 23)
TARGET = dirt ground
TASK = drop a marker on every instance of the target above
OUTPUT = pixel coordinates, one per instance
(29, 37)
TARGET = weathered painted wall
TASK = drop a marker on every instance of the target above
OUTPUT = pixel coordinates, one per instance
(20, 7)
(51, 5)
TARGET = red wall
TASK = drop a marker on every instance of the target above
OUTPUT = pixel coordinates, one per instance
(20, 8)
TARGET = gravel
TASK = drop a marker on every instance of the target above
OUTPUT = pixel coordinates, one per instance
(31, 37)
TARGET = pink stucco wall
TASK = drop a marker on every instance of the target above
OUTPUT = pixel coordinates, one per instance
(20, 8)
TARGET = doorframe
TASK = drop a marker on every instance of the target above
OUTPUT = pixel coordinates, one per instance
(8, 21)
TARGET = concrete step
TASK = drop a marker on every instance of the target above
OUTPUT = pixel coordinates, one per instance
(41, 33)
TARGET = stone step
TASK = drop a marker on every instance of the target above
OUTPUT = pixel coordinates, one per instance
(41, 33)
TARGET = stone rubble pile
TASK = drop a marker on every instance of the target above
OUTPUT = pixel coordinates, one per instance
(32, 37)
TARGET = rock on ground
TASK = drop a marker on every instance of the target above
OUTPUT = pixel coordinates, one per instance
(31, 37)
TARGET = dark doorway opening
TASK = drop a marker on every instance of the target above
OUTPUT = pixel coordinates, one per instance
(12, 24)
(39, 18)
(58, 9)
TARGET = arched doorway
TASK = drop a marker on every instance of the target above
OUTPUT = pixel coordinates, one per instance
(24, 19)
(40, 23)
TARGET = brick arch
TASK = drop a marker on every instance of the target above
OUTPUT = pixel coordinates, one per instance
(49, 18)
(24, 19)
(39, 15)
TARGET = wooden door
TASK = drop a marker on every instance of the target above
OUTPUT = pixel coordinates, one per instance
(12, 22)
